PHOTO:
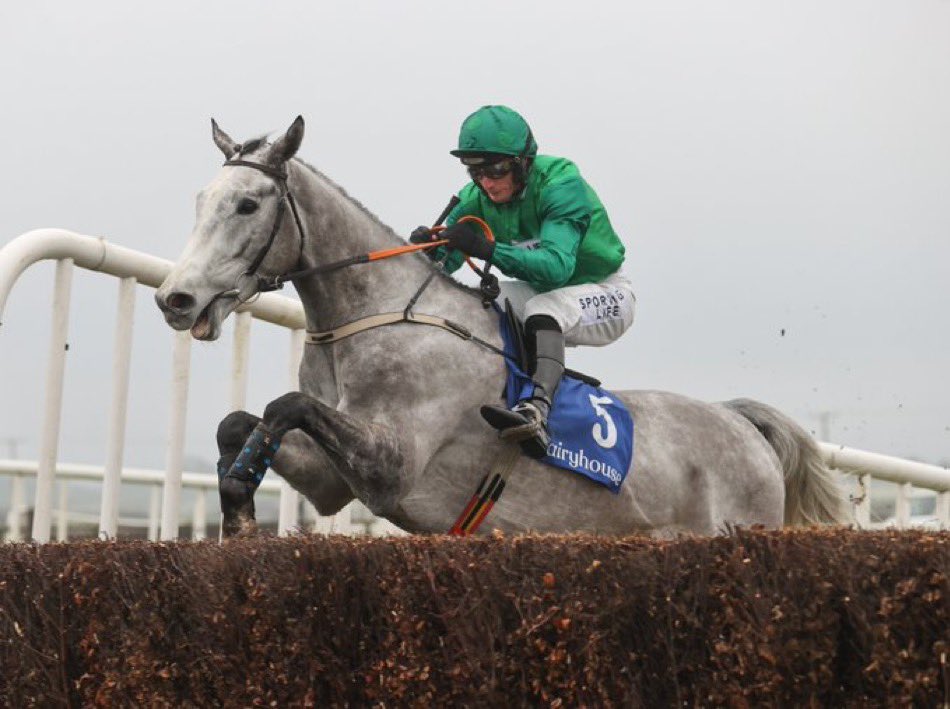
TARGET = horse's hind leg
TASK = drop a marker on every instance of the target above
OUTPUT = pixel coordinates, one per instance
(237, 496)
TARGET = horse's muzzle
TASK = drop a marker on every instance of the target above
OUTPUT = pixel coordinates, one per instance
(178, 308)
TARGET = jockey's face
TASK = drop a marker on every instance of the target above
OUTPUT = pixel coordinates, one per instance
(499, 190)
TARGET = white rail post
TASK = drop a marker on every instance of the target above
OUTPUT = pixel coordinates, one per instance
(62, 515)
(171, 496)
(862, 508)
(52, 407)
(15, 513)
(942, 509)
(199, 516)
(310, 518)
(343, 520)
(240, 359)
(240, 365)
(288, 516)
(154, 510)
(323, 525)
(115, 446)
(902, 505)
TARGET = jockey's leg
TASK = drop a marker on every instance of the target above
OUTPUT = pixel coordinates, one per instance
(593, 314)
(529, 417)
(237, 495)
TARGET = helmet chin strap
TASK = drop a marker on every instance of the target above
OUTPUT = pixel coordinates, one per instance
(524, 167)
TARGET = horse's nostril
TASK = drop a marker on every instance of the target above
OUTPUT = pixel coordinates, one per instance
(179, 301)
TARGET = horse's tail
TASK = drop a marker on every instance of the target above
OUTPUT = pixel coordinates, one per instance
(812, 495)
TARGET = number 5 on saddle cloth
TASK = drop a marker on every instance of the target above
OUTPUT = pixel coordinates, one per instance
(591, 430)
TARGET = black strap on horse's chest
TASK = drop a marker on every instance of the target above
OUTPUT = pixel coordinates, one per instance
(287, 195)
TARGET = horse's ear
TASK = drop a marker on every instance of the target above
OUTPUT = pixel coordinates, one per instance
(287, 145)
(223, 140)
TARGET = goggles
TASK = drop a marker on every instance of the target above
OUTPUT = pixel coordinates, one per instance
(493, 171)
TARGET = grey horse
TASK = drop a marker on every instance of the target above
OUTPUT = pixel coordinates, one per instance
(389, 415)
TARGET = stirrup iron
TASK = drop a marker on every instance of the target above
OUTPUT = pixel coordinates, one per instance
(524, 424)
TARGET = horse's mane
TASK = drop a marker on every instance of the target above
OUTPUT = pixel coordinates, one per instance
(359, 205)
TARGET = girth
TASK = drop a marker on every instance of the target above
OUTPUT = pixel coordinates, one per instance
(371, 321)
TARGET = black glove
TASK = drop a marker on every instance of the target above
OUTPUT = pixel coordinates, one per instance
(469, 240)
(420, 235)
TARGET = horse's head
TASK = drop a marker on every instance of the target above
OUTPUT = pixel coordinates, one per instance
(243, 229)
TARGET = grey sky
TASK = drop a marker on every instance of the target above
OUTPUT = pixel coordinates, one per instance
(772, 167)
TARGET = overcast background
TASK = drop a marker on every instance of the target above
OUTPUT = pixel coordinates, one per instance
(779, 172)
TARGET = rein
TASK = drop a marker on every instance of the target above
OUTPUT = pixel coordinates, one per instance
(265, 285)
(489, 283)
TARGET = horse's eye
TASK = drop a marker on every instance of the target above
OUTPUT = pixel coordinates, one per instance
(246, 206)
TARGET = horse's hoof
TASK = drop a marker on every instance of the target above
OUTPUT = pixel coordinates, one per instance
(240, 528)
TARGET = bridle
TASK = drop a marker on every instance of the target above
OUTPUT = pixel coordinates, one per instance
(265, 284)
(272, 283)
(287, 197)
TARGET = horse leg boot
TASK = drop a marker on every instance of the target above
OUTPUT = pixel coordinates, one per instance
(241, 466)
(527, 420)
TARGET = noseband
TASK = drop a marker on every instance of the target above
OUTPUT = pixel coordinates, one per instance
(268, 284)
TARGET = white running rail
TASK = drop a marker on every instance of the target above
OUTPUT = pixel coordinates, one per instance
(130, 267)
(907, 474)
(202, 483)
(69, 249)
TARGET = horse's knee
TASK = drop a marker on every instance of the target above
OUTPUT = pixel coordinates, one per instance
(287, 412)
(234, 430)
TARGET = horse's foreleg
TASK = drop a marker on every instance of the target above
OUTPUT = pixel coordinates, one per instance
(367, 456)
(299, 460)
(304, 464)
(236, 492)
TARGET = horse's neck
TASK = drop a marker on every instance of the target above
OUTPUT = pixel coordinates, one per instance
(338, 228)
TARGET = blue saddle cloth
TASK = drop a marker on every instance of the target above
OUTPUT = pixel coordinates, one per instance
(591, 429)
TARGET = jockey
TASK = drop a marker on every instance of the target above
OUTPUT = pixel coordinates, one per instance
(553, 237)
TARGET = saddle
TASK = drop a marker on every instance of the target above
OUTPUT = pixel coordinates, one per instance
(591, 430)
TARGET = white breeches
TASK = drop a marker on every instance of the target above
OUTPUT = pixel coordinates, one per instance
(591, 314)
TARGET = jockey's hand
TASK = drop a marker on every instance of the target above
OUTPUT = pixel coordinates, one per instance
(469, 240)
(421, 235)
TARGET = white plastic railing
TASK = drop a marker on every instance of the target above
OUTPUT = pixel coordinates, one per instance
(908, 474)
(155, 479)
(132, 267)
(344, 522)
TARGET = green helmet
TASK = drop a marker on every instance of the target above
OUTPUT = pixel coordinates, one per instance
(495, 130)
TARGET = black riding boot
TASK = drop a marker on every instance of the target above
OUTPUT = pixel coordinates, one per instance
(527, 420)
